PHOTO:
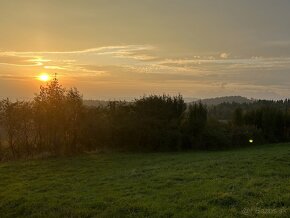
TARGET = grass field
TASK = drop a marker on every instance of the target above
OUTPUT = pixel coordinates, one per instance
(236, 183)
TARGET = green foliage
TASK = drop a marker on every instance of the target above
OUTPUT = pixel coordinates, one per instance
(49, 123)
(158, 119)
(238, 117)
(16, 119)
(216, 136)
(57, 114)
(194, 124)
(241, 135)
(56, 122)
(271, 121)
(226, 110)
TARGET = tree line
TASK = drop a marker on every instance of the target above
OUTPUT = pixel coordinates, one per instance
(56, 122)
(225, 110)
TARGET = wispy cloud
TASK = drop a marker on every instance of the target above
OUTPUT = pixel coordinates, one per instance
(15, 60)
(224, 55)
(70, 60)
(121, 50)
(144, 64)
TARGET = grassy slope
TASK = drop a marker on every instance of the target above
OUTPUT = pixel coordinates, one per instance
(194, 184)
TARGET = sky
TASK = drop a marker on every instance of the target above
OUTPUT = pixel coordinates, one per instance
(122, 49)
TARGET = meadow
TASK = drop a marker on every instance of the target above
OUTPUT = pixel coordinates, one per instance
(244, 182)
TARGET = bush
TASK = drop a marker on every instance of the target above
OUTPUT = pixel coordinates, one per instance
(56, 122)
(216, 136)
(246, 135)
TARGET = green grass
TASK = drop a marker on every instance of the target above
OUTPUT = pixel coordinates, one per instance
(236, 183)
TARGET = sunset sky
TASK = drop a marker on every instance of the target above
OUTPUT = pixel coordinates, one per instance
(111, 49)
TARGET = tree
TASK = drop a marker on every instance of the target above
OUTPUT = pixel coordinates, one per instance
(158, 121)
(16, 119)
(238, 117)
(194, 124)
(58, 115)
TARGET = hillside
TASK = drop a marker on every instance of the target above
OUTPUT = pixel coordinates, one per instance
(206, 101)
(96, 103)
(226, 99)
(194, 184)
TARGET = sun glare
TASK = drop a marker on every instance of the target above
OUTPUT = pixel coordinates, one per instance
(44, 77)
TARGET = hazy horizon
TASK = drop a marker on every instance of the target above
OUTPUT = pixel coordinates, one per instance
(125, 49)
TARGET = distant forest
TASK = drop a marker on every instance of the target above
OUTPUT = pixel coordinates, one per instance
(58, 122)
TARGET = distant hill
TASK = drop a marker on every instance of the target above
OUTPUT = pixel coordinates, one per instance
(101, 103)
(189, 99)
(96, 103)
(207, 101)
(226, 99)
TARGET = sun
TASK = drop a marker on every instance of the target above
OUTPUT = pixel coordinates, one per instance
(44, 77)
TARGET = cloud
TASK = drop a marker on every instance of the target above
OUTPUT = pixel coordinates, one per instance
(12, 77)
(9, 59)
(224, 55)
(146, 65)
(69, 60)
(120, 50)
(138, 58)
(278, 43)
(225, 65)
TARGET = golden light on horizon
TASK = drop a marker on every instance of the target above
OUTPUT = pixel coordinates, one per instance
(44, 77)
